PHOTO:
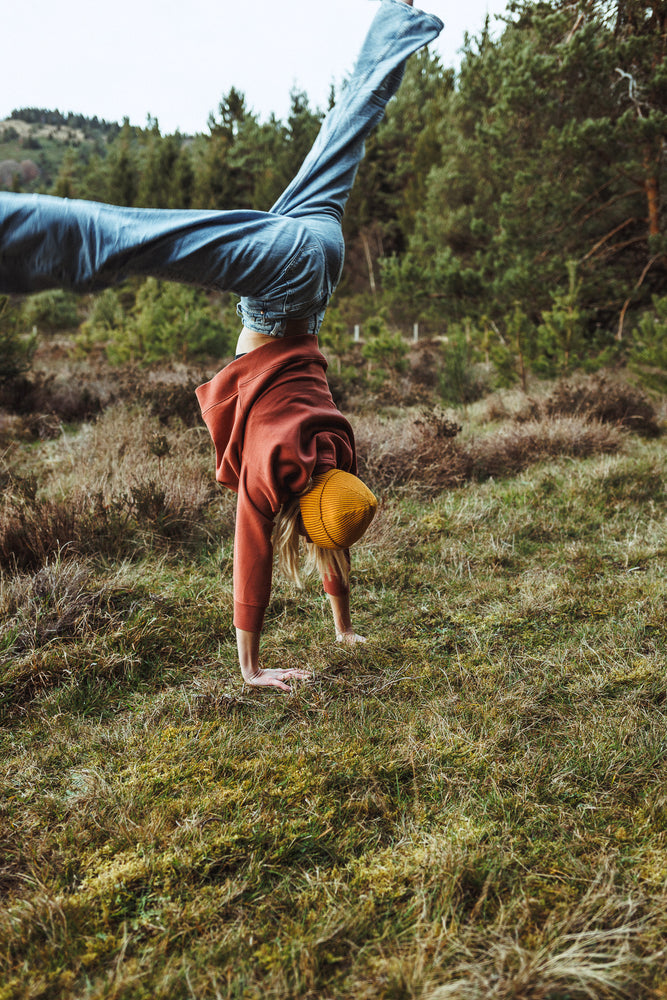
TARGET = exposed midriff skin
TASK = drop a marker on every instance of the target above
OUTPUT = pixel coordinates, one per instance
(250, 339)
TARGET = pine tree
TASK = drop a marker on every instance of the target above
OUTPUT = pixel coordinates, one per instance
(551, 150)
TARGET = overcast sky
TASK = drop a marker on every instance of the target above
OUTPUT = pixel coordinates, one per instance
(175, 60)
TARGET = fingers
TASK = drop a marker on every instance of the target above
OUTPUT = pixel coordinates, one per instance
(278, 684)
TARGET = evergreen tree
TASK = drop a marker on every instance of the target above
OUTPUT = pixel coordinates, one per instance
(123, 169)
(183, 180)
(544, 161)
(392, 178)
(220, 181)
(303, 124)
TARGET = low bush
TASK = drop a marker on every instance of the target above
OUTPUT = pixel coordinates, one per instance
(168, 400)
(16, 348)
(51, 311)
(611, 401)
(516, 447)
(145, 516)
(597, 397)
(426, 453)
(47, 401)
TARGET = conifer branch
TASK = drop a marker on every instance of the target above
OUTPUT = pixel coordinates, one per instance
(608, 236)
(640, 281)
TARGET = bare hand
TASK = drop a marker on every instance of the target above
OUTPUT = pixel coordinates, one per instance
(276, 678)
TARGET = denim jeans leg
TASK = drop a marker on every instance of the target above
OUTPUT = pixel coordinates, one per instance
(324, 181)
(48, 242)
(319, 192)
(283, 263)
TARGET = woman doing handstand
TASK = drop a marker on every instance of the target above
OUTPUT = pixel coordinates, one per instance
(280, 441)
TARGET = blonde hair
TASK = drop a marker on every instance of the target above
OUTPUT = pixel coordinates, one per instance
(328, 562)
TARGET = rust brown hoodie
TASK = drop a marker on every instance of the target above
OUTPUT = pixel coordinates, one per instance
(274, 425)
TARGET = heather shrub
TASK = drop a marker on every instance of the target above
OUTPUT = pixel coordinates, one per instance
(168, 400)
(424, 366)
(517, 446)
(346, 386)
(419, 451)
(65, 397)
(611, 401)
(425, 452)
(167, 393)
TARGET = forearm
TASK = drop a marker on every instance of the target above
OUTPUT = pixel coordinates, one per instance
(340, 609)
(248, 647)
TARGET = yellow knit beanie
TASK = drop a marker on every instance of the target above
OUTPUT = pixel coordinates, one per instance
(337, 510)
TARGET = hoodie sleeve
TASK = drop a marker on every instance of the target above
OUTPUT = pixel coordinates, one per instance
(253, 561)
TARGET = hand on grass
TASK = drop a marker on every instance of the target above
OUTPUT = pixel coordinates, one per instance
(349, 637)
(274, 677)
(256, 676)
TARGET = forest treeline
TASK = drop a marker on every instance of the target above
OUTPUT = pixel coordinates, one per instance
(516, 207)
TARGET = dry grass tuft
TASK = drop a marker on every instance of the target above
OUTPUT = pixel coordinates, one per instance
(594, 953)
(426, 454)
(32, 531)
(598, 398)
(59, 601)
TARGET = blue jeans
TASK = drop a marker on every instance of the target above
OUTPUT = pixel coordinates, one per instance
(283, 263)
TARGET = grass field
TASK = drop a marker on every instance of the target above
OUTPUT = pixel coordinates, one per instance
(472, 806)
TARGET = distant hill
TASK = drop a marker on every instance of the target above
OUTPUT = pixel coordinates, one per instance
(33, 142)
(89, 128)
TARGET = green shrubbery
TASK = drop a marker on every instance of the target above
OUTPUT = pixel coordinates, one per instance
(648, 354)
(51, 311)
(165, 320)
(16, 348)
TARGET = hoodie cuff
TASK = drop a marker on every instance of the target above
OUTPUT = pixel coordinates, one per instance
(248, 617)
